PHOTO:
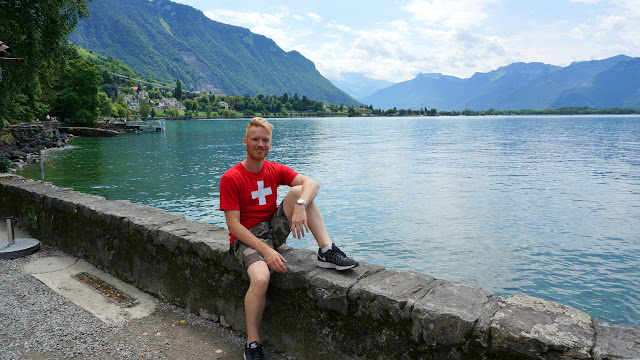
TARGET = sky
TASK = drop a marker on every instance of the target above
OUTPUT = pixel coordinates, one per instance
(397, 40)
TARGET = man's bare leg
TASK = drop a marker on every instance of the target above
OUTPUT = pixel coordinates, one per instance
(255, 298)
(329, 255)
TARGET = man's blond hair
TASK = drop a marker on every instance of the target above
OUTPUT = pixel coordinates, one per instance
(258, 122)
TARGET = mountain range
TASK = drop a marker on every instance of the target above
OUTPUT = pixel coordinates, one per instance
(170, 41)
(612, 82)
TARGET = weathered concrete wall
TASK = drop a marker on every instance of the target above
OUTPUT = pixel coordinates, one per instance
(87, 131)
(368, 313)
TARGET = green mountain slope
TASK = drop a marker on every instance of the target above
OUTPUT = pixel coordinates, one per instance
(168, 41)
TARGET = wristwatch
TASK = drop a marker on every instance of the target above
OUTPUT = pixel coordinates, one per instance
(301, 202)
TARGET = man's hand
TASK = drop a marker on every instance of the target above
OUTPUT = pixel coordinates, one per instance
(299, 222)
(274, 260)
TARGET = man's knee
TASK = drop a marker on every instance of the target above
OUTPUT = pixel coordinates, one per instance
(259, 275)
(295, 192)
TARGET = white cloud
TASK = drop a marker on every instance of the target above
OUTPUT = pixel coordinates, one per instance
(315, 17)
(339, 27)
(247, 19)
(450, 14)
(269, 25)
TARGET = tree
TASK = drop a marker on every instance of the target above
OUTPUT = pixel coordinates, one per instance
(177, 93)
(145, 107)
(172, 113)
(105, 104)
(36, 31)
(123, 111)
(79, 97)
(189, 104)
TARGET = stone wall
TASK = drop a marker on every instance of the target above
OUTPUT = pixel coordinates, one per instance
(312, 313)
(88, 131)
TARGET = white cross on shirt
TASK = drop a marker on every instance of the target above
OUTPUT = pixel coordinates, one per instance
(261, 193)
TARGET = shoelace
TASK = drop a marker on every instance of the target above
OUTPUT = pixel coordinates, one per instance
(254, 353)
(336, 250)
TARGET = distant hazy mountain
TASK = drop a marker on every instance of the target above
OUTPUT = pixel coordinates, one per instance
(359, 86)
(616, 87)
(518, 86)
(167, 41)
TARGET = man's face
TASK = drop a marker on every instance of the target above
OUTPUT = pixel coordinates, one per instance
(258, 143)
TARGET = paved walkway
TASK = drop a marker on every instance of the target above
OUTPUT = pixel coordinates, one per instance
(48, 314)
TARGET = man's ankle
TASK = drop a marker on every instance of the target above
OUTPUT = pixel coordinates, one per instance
(326, 248)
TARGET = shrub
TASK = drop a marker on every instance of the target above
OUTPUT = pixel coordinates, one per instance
(5, 165)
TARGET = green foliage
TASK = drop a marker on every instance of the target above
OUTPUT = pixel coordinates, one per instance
(79, 97)
(145, 107)
(36, 31)
(105, 104)
(5, 165)
(229, 114)
(6, 137)
(108, 243)
(581, 110)
(178, 90)
(32, 217)
(122, 110)
(172, 112)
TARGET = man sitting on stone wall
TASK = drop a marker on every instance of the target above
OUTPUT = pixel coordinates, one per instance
(257, 226)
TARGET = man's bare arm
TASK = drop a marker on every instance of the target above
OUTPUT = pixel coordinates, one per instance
(299, 225)
(309, 187)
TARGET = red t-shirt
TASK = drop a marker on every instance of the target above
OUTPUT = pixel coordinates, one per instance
(253, 194)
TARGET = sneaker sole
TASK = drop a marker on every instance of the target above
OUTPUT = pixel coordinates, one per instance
(328, 265)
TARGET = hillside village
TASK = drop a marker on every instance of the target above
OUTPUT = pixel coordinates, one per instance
(149, 101)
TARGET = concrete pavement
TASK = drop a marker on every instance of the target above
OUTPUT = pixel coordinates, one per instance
(146, 328)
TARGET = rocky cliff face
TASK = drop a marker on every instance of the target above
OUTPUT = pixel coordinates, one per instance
(28, 140)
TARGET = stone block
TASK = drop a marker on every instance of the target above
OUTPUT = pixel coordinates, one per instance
(334, 285)
(536, 328)
(483, 325)
(300, 262)
(616, 342)
(446, 315)
(390, 294)
(174, 232)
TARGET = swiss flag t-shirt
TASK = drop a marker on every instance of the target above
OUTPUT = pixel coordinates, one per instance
(253, 194)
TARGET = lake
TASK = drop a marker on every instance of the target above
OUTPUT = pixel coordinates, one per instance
(544, 206)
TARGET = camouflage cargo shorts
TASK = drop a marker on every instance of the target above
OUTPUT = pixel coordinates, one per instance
(273, 232)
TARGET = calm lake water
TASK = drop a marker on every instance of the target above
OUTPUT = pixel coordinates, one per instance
(542, 206)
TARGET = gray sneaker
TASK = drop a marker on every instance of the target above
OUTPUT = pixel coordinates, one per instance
(335, 259)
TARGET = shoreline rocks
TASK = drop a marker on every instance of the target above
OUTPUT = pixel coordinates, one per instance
(30, 138)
